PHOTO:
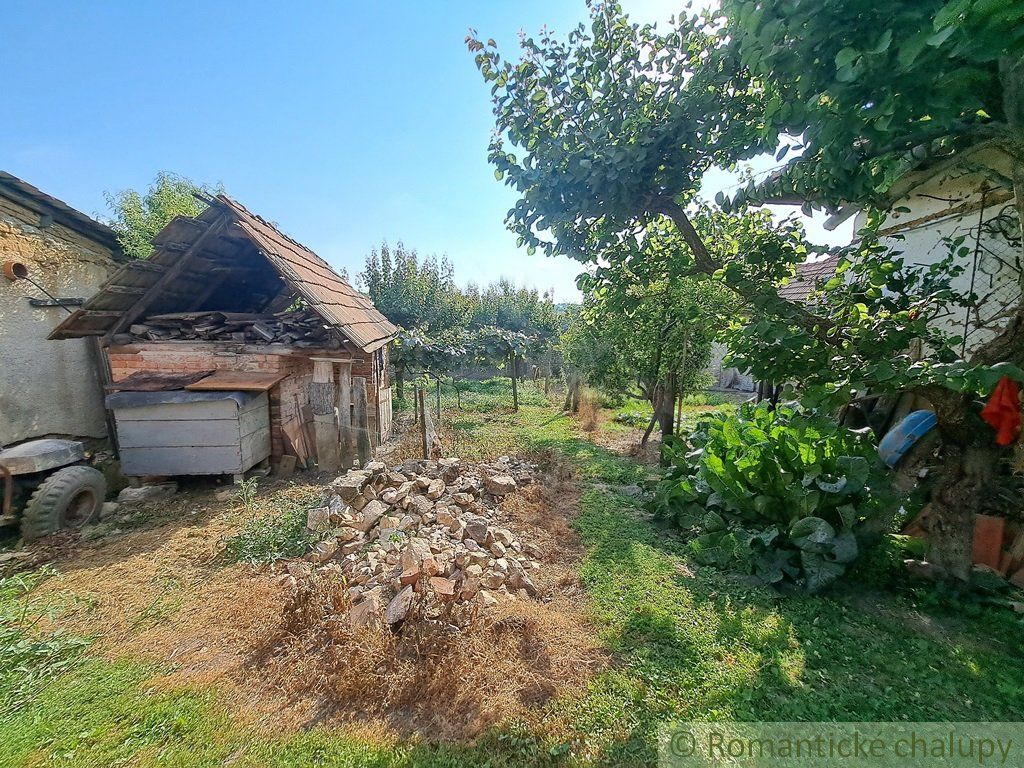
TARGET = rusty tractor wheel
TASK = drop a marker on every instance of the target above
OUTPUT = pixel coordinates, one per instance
(69, 498)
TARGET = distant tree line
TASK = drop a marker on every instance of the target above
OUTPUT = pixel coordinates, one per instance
(446, 327)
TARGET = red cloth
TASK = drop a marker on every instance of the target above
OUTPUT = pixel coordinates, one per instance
(1002, 411)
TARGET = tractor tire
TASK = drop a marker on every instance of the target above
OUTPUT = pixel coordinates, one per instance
(69, 498)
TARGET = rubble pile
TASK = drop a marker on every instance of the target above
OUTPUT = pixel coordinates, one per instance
(428, 535)
(298, 328)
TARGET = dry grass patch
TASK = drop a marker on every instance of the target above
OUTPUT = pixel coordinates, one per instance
(429, 680)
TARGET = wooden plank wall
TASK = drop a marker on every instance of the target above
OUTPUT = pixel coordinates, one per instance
(202, 438)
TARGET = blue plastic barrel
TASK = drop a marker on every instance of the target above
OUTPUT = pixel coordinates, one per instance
(901, 437)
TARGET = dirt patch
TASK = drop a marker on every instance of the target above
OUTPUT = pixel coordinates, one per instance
(627, 443)
(162, 593)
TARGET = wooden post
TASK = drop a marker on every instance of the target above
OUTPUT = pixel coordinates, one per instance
(347, 435)
(322, 400)
(515, 386)
(361, 421)
(438, 400)
(103, 377)
(421, 398)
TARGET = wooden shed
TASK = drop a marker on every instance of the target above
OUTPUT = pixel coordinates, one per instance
(227, 292)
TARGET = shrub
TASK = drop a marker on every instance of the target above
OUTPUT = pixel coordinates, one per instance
(793, 496)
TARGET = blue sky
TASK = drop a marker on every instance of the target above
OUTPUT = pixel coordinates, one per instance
(346, 123)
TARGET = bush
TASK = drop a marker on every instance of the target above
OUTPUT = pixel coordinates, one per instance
(793, 496)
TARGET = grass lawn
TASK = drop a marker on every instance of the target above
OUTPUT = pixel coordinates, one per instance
(687, 643)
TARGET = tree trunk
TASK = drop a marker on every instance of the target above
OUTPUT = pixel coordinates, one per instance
(458, 393)
(663, 401)
(573, 385)
(666, 407)
(399, 381)
(965, 479)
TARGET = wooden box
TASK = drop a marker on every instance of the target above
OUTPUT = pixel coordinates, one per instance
(191, 433)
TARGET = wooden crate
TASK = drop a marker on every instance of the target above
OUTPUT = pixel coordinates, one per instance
(191, 433)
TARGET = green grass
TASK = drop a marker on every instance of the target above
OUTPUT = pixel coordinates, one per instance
(476, 396)
(633, 413)
(687, 642)
(276, 527)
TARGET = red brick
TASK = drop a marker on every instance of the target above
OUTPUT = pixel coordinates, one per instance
(987, 547)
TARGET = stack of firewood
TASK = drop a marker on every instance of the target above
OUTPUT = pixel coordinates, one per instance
(297, 328)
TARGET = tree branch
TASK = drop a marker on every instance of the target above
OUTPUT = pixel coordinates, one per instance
(705, 263)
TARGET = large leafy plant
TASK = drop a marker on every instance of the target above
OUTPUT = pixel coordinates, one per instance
(794, 496)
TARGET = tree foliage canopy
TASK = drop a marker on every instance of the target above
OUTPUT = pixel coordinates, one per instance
(870, 88)
(137, 217)
(606, 137)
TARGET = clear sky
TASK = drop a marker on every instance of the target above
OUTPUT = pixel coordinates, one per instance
(346, 123)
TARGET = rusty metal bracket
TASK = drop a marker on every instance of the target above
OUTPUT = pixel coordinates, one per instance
(44, 303)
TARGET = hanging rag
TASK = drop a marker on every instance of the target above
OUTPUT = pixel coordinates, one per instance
(1002, 412)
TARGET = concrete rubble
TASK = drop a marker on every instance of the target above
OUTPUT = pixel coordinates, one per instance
(428, 538)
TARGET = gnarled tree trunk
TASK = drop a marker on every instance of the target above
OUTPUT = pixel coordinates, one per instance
(965, 478)
(574, 384)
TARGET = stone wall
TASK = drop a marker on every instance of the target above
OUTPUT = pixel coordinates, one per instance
(46, 387)
(726, 377)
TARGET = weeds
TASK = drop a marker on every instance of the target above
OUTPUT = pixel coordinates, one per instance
(589, 410)
(275, 533)
(247, 494)
(29, 660)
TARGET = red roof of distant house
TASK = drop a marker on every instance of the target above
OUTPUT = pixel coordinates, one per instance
(808, 277)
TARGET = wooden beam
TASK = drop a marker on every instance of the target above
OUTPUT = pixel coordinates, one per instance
(321, 399)
(360, 421)
(136, 311)
(145, 266)
(123, 289)
(348, 437)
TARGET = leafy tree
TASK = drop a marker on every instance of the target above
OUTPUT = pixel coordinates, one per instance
(517, 310)
(503, 347)
(432, 357)
(419, 296)
(137, 217)
(652, 337)
(615, 127)
(413, 292)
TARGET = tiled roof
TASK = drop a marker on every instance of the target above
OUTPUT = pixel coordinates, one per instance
(808, 276)
(68, 216)
(164, 284)
(326, 291)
